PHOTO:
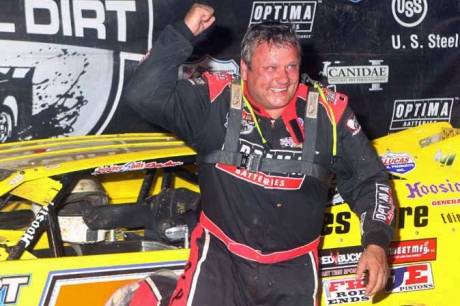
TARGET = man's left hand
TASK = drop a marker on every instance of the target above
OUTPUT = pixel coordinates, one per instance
(374, 261)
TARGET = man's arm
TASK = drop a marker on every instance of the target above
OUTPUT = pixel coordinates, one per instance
(364, 184)
(154, 91)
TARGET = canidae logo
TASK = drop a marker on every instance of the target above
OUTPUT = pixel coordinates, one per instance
(409, 113)
(409, 13)
(300, 13)
(75, 52)
(374, 74)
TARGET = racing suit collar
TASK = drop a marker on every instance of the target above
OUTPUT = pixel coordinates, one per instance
(289, 116)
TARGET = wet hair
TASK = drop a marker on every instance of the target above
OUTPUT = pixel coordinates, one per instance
(274, 33)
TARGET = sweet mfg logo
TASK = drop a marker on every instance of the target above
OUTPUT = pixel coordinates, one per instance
(409, 13)
(300, 13)
(374, 74)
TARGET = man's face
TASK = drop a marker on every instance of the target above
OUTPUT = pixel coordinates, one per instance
(273, 78)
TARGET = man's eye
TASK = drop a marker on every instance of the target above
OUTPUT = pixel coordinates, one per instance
(271, 68)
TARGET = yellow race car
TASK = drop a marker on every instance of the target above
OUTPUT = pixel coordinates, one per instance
(84, 218)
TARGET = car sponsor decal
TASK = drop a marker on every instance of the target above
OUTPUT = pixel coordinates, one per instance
(445, 202)
(345, 291)
(419, 190)
(450, 217)
(412, 251)
(339, 261)
(10, 288)
(413, 216)
(445, 159)
(398, 163)
(408, 278)
(90, 280)
(135, 166)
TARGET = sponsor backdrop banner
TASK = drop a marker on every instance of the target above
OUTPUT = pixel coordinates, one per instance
(63, 64)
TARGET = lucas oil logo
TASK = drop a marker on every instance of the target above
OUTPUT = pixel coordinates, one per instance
(300, 13)
(75, 52)
(398, 163)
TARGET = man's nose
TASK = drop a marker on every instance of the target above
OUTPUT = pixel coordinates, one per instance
(282, 76)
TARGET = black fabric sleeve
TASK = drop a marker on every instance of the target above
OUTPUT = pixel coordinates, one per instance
(155, 92)
(363, 182)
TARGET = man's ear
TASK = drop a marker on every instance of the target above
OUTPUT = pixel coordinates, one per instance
(243, 70)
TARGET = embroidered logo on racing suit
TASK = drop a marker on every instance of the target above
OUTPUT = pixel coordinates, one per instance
(247, 124)
(353, 125)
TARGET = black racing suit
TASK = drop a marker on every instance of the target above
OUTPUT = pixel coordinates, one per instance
(268, 212)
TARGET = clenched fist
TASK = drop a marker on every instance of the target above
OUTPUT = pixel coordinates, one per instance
(199, 18)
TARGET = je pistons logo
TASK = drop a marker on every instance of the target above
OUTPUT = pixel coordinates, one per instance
(409, 13)
(410, 278)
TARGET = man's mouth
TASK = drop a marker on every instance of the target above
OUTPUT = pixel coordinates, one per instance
(278, 89)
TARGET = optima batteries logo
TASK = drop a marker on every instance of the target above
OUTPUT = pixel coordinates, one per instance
(409, 113)
(300, 13)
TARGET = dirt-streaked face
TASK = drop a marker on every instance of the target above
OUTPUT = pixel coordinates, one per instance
(273, 78)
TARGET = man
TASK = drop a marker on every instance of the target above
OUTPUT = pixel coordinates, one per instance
(264, 175)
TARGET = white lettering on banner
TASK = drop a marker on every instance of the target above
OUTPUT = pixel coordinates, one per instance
(408, 113)
(411, 13)
(300, 13)
(435, 41)
(68, 14)
(374, 74)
